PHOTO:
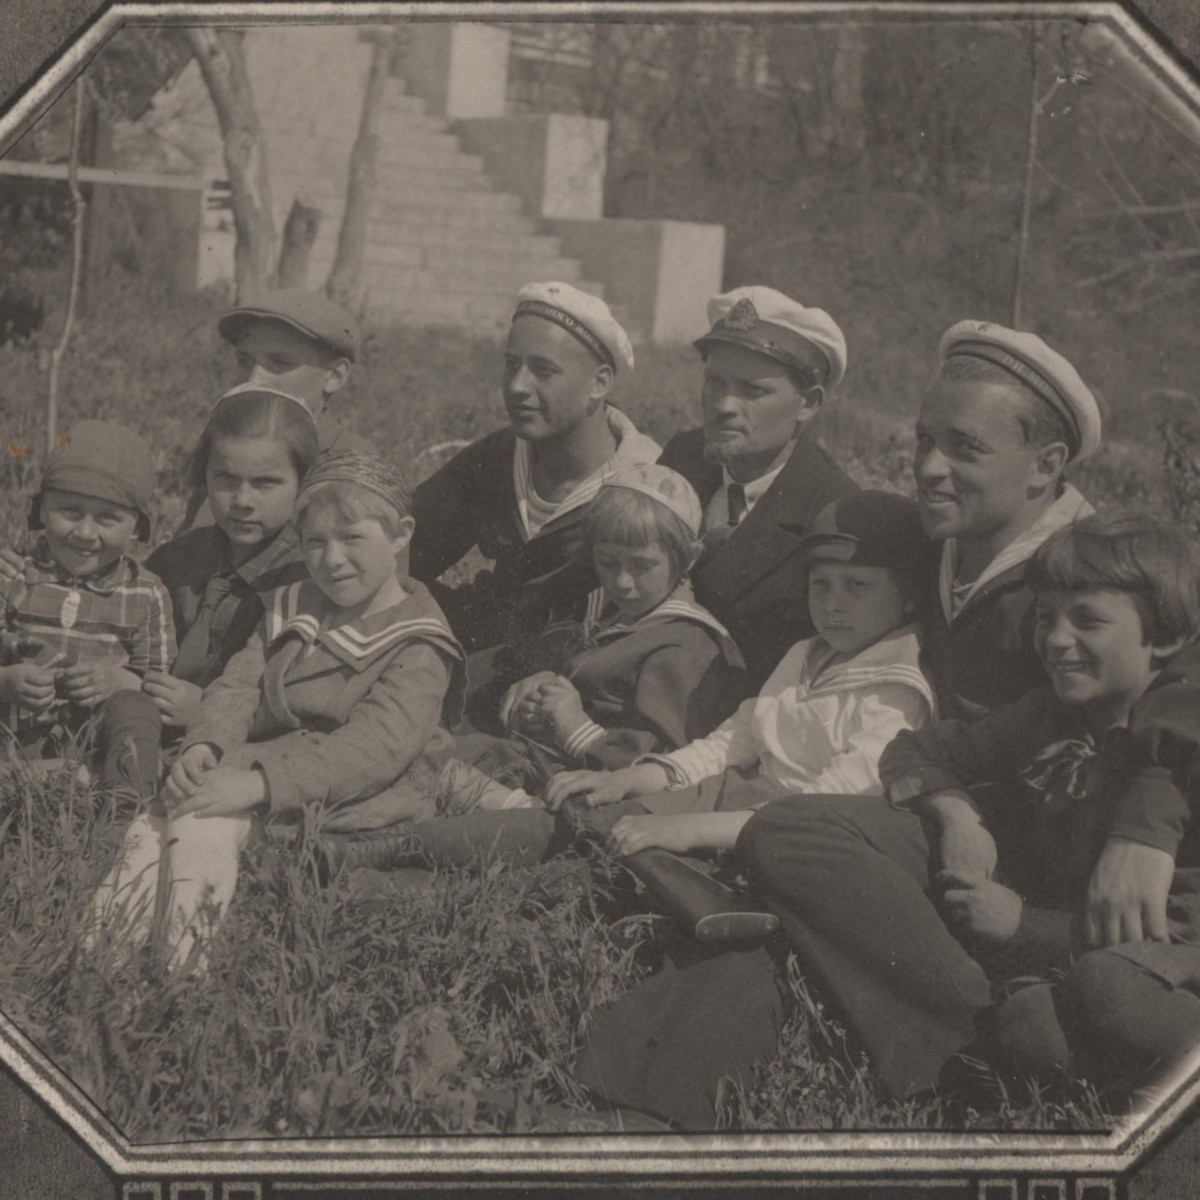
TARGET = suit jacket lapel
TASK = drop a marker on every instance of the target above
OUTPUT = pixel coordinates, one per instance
(760, 544)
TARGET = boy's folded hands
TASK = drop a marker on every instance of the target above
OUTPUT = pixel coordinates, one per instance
(1127, 894)
(199, 784)
(89, 684)
(553, 708)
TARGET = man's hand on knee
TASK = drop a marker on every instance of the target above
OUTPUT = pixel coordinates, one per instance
(966, 850)
(1127, 894)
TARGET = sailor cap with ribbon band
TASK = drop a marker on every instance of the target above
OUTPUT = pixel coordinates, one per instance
(1043, 370)
(105, 461)
(868, 529)
(807, 340)
(307, 312)
(585, 316)
(668, 487)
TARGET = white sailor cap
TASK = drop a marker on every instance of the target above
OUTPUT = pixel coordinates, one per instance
(806, 339)
(584, 315)
(1043, 370)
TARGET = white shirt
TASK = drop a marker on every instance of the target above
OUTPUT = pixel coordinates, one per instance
(717, 512)
(816, 727)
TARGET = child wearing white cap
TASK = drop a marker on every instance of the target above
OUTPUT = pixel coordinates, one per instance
(520, 494)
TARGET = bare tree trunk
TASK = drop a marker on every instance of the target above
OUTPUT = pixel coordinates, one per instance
(78, 225)
(298, 236)
(345, 279)
(219, 55)
(1031, 141)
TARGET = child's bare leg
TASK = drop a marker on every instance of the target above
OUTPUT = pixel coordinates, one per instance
(203, 871)
(125, 899)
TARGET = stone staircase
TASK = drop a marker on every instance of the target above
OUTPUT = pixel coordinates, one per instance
(444, 244)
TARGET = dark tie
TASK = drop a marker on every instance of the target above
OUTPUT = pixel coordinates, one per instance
(735, 497)
(198, 657)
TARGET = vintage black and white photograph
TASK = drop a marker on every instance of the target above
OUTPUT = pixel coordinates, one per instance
(573, 577)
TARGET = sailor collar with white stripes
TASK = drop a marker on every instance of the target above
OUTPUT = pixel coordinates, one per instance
(303, 609)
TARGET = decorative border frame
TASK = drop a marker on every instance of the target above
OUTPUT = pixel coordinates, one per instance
(1017, 1165)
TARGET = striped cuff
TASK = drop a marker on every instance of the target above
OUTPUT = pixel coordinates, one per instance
(677, 777)
(585, 735)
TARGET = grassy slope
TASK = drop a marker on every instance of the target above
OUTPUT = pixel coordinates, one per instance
(444, 1008)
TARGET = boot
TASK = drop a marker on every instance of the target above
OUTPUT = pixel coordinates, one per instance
(379, 849)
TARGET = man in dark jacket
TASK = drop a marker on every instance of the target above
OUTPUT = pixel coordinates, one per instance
(768, 364)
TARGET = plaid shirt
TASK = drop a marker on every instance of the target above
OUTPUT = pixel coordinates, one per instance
(121, 615)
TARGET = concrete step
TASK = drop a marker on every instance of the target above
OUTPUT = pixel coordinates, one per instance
(407, 217)
(461, 240)
(402, 199)
(396, 138)
(439, 162)
(397, 100)
(398, 141)
(526, 253)
(473, 278)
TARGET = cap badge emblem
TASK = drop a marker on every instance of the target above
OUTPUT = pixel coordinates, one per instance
(742, 316)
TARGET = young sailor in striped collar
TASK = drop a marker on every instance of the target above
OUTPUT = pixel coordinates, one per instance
(338, 701)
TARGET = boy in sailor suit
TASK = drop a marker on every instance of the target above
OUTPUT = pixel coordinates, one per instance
(338, 700)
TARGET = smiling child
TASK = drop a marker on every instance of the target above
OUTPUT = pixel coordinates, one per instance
(336, 703)
(88, 622)
(1062, 928)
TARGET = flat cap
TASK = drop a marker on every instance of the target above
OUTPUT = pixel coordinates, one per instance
(868, 528)
(660, 483)
(584, 315)
(759, 318)
(1043, 370)
(311, 313)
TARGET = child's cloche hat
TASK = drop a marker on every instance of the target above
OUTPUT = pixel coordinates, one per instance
(868, 529)
(668, 487)
(363, 470)
(103, 460)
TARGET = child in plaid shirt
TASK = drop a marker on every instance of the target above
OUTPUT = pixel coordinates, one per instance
(84, 622)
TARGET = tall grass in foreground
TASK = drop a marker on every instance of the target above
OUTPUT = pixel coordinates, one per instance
(371, 1007)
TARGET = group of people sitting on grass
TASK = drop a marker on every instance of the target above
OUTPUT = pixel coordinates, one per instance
(946, 749)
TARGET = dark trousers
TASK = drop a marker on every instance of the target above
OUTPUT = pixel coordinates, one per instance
(848, 877)
(128, 735)
(124, 733)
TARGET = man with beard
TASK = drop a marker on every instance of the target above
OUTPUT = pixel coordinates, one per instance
(768, 363)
